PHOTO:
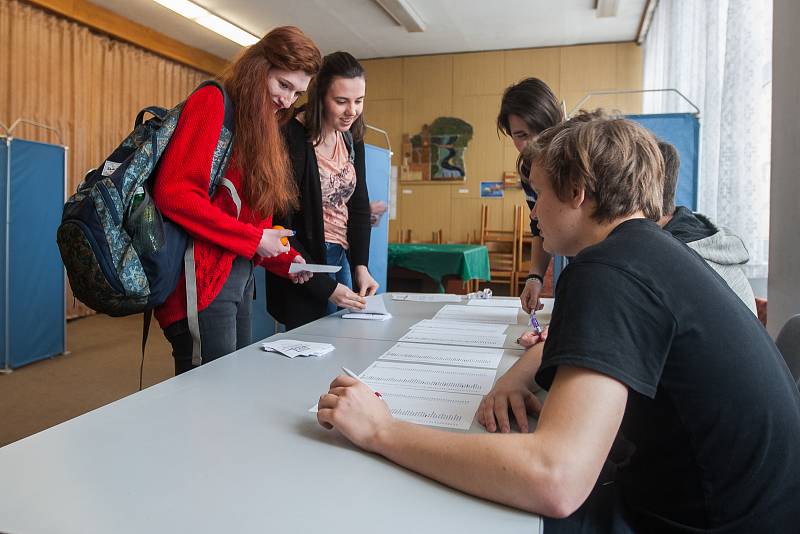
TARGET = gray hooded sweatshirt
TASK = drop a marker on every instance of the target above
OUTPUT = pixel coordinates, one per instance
(722, 250)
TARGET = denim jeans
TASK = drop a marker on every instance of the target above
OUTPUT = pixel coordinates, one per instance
(335, 254)
(224, 324)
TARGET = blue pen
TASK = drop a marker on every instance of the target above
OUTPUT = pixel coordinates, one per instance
(537, 328)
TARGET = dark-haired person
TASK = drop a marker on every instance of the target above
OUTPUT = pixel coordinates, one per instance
(528, 108)
(645, 339)
(722, 250)
(279, 66)
(326, 147)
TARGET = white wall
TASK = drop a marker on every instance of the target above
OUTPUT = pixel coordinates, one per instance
(784, 225)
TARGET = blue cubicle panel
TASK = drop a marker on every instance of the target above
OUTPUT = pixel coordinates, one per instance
(683, 131)
(379, 166)
(33, 318)
(378, 163)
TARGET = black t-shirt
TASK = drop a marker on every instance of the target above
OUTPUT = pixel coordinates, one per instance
(712, 410)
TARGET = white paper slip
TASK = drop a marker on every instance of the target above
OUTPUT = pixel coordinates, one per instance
(375, 310)
(366, 316)
(454, 337)
(292, 348)
(313, 268)
(483, 328)
(432, 408)
(495, 303)
(430, 377)
(455, 312)
(426, 297)
(443, 355)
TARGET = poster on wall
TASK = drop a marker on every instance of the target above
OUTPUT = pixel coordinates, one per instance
(492, 189)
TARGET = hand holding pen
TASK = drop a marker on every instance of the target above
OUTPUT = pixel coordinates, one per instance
(351, 374)
(537, 328)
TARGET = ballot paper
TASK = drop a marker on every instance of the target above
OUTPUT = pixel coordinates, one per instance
(375, 310)
(444, 355)
(432, 408)
(426, 297)
(495, 303)
(313, 268)
(428, 377)
(465, 338)
(456, 312)
(474, 327)
(291, 348)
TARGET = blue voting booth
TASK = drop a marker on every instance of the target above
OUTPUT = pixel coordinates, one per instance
(682, 130)
(32, 285)
(378, 163)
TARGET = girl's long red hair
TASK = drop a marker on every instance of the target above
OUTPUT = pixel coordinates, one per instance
(267, 183)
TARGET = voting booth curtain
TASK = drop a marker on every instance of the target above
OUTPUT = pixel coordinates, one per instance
(682, 130)
(32, 311)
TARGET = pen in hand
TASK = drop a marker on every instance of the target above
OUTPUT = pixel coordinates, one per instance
(537, 328)
(351, 374)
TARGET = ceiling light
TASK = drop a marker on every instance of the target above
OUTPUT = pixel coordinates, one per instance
(207, 19)
(404, 14)
(606, 8)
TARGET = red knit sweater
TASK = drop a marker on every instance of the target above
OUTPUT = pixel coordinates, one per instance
(181, 194)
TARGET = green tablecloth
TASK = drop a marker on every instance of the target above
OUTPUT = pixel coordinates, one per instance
(470, 262)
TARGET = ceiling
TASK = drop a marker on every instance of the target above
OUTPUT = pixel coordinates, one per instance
(364, 29)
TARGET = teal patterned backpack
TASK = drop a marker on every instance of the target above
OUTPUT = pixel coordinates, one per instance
(122, 257)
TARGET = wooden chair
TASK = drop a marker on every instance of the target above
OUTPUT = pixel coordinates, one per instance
(503, 247)
(403, 235)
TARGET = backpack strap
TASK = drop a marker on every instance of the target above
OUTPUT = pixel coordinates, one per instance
(192, 314)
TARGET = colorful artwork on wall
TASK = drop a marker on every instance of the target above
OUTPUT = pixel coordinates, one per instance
(436, 153)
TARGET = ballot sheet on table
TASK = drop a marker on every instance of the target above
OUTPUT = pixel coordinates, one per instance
(444, 355)
(426, 297)
(475, 327)
(431, 377)
(455, 312)
(495, 303)
(465, 338)
(431, 408)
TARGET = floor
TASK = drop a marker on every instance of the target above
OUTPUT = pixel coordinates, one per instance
(101, 366)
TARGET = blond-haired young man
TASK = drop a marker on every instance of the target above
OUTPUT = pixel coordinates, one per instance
(644, 340)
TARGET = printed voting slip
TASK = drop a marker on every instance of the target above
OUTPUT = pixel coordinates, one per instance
(375, 310)
(292, 348)
(313, 268)
(426, 297)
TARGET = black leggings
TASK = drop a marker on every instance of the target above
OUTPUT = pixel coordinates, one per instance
(224, 325)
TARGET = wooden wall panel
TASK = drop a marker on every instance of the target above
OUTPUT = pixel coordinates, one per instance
(384, 78)
(589, 68)
(478, 74)
(543, 63)
(405, 93)
(386, 115)
(427, 90)
(484, 154)
(630, 73)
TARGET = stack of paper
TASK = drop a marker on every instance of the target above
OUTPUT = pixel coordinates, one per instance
(291, 348)
(375, 310)
(426, 297)
(479, 314)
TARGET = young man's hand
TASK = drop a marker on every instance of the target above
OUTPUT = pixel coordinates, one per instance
(510, 392)
(353, 409)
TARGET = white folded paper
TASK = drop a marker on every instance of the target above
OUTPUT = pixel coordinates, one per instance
(426, 297)
(291, 348)
(374, 311)
(313, 268)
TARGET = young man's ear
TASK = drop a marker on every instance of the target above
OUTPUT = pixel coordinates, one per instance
(578, 196)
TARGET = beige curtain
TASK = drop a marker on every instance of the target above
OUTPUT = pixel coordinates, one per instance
(86, 85)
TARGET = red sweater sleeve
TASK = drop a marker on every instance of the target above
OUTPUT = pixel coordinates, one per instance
(181, 187)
